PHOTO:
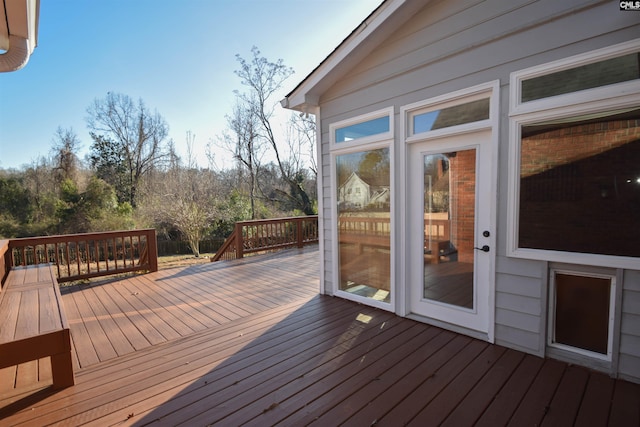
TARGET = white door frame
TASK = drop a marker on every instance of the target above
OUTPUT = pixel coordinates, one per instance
(488, 90)
(476, 318)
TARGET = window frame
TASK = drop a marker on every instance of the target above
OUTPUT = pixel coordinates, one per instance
(585, 95)
(369, 143)
(482, 91)
(608, 98)
(385, 112)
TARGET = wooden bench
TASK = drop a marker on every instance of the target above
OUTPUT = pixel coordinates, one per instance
(32, 322)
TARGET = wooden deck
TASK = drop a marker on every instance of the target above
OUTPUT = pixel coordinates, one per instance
(250, 342)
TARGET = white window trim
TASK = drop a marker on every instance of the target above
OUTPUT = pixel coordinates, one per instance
(367, 140)
(363, 144)
(613, 97)
(552, 309)
(482, 91)
(582, 96)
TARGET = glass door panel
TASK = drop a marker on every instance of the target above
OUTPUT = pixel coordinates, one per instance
(449, 227)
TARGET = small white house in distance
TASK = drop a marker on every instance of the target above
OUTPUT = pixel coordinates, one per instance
(355, 193)
(507, 134)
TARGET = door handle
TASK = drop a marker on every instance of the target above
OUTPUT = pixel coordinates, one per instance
(485, 248)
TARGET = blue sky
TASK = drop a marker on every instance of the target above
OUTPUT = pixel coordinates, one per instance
(177, 56)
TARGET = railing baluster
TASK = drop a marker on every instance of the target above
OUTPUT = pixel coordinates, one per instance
(106, 254)
(87, 248)
(78, 256)
(96, 255)
(131, 250)
(67, 258)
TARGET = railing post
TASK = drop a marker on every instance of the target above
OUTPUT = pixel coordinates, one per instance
(299, 231)
(239, 241)
(152, 250)
(5, 260)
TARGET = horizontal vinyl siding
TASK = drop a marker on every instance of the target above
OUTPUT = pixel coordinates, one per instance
(520, 300)
(454, 44)
(484, 52)
(327, 203)
(629, 359)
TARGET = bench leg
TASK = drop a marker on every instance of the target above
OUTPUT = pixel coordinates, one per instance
(62, 370)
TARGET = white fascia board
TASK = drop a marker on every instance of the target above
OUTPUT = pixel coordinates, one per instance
(307, 93)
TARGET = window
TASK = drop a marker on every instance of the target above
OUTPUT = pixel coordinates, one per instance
(580, 185)
(364, 223)
(451, 116)
(458, 112)
(602, 73)
(575, 166)
(361, 179)
(364, 129)
(367, 128)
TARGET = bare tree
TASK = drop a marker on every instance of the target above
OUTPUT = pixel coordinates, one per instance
(128, 139)
(185, 200)
(190, 139)
(301, 139)
(263, 79)
(242, 139)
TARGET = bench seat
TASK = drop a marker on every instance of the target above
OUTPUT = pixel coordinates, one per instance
(33, 324)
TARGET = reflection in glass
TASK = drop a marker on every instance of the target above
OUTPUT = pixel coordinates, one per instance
(451, 116)
(610, 71)
(580, 185)
(449, 221)
(360, 130)
(364, 223)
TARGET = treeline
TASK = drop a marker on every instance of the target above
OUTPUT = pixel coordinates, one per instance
(133, 178)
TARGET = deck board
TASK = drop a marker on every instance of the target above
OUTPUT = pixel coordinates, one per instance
(260, 347)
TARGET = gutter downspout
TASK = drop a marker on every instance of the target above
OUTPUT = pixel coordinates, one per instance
(17, 56)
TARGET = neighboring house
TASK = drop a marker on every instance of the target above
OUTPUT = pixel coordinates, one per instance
(511, 132)
(357, 194)
(18, 32)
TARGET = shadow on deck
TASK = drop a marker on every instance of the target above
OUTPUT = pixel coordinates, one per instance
(252, 343)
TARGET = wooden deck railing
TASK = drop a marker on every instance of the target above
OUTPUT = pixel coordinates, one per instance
(81, 256)
(268, 234)
(361, 231)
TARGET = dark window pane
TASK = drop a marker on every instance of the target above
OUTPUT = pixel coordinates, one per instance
(580, 186)
(603, 73)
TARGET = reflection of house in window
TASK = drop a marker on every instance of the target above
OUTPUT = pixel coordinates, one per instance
(355, 193)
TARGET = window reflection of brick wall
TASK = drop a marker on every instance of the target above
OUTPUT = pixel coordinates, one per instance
(579, 189)
(462, 198)
(548, 150)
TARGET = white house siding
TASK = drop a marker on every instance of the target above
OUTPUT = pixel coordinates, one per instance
(454, 44)
(629, 358)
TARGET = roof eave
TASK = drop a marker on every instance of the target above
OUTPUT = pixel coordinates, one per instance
(361, 42)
